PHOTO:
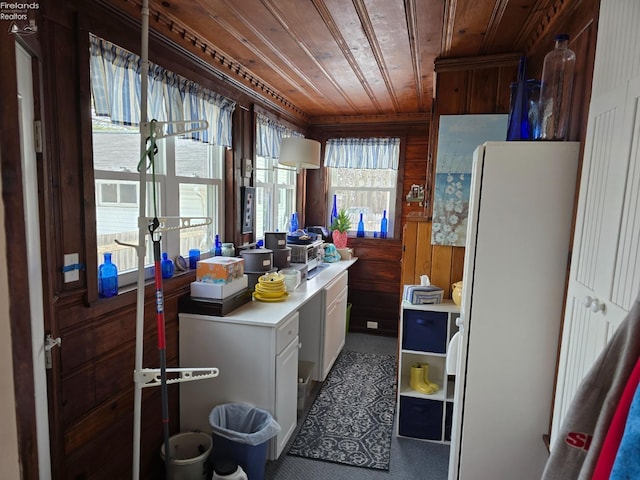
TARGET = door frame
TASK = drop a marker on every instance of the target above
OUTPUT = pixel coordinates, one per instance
(16, 252)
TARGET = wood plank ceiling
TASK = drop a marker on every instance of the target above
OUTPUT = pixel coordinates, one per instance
(319, 59)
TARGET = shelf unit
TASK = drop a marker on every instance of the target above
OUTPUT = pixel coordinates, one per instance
(425, 333)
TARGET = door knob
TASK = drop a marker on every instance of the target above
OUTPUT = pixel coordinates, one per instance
(597, 306)
(587, 301)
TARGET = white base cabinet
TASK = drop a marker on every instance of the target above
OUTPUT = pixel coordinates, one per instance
(323, 327)
(258, 365)
(425, 333)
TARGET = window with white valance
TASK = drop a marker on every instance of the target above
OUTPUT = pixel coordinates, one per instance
(189, 168)
(363, 175)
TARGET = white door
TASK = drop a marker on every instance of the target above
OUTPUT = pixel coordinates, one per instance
(34, 266)
(605, 275)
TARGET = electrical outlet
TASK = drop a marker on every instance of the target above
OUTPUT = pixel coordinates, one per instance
(372, 324)
(73, 275)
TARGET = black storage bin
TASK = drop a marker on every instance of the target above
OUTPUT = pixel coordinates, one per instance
(425, 331)
(420, 418)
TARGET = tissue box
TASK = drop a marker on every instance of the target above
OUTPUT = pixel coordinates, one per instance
(421, 295)
(218, 291)
(219, 269)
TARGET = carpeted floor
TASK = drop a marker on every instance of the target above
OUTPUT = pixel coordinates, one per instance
(410, 459)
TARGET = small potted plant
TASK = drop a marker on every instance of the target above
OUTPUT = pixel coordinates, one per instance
(340, 228)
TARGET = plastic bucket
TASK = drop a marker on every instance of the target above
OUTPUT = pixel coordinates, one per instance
(189, 454)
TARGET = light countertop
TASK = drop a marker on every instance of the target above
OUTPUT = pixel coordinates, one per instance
(270, 314)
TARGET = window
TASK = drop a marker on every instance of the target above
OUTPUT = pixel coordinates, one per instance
(363, 176)
(275, 196)
(275, 185)
(189, 168)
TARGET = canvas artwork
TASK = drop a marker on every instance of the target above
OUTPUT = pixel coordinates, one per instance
(458, 137)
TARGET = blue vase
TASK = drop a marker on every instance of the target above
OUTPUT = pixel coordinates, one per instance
(383, 225)
(518, 127)
(334, 212)
(107, 278)
(360, 232)
(167, 266)
(294, 222)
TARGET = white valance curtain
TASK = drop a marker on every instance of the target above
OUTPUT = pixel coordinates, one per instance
(382, 153)
(269, 134)
(115, 87)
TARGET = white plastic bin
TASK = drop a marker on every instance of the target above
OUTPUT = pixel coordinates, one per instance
(189, 454)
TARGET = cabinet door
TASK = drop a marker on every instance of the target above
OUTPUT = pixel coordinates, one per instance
(606, 244)
(286, 395)
(330, 355)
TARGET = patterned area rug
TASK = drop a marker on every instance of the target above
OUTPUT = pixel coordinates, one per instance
(351, 419)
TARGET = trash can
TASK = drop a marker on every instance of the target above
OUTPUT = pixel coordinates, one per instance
(241, 432)
(189, 453)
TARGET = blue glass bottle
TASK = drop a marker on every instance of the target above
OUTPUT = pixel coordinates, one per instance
(334, 211)
(294, 222)
(217, 247)
(107, 278)
(360, 232)
(518, 126)
(383, 225)
(167, 266)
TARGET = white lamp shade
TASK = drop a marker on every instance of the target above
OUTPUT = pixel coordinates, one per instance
(299, 152)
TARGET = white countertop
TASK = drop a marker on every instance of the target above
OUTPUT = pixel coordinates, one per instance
(269, 314)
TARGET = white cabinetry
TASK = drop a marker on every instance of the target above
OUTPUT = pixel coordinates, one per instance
(425, 332)
(335, 321)
(258, 365)
(323, 326)
(605, 273)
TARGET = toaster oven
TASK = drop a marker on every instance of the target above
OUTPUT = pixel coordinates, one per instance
(308, 254)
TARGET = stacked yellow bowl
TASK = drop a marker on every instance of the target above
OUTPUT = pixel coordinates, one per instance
(270, 288)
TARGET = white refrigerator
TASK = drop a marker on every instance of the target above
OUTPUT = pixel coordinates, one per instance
(516, 260)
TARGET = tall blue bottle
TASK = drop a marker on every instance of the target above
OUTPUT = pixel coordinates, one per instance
(360, 232)
(217, 247)
(294, 222)
(334, 211)
(383, 225)
(107, 278)
(518, 126)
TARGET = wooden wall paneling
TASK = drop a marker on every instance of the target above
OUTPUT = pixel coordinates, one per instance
(409, 247)
(457, 264)
(424, 253)
(374, 285)
(441, 268)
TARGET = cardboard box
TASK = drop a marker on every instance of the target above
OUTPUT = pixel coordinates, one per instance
(219, 269)
(421, 295)
(218, 290)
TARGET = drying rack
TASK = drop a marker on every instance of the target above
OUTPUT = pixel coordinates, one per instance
(152, 377)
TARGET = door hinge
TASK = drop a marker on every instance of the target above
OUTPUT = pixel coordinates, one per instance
(37, 136)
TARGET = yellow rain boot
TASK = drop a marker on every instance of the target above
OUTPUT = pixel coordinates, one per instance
(425, 370)
(417, 380)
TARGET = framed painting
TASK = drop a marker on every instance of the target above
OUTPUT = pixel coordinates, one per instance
(248, 209)
(458, 137)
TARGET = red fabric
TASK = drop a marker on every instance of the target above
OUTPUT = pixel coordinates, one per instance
(616, 428)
